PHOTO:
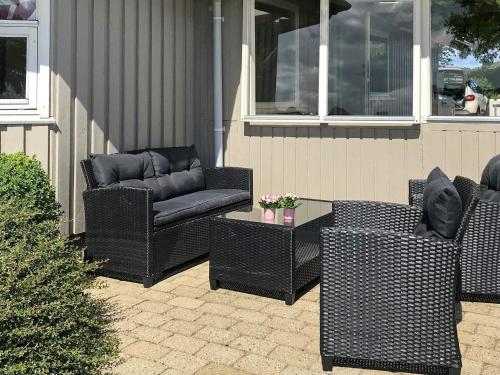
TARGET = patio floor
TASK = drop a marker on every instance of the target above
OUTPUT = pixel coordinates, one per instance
(180, 326)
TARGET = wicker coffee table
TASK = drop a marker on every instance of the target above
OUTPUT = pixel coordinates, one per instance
(274, 259)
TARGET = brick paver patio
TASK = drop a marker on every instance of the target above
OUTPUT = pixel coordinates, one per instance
(180, 326)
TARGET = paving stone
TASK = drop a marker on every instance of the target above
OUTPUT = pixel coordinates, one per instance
(282, 311)
(470, 367)
(259, 365)
(311, 331)
(181, 313)
(293, 357)
(185, 344)
(216, 321)
(125, 301)
(146, 350)
(149, 319)
(124, 325)
(295, 340)
(309, 317)
(285, 324)
(480, 319)
(216, 335)
(138, 366)
(154, 335)
(188, 291)
(186, 302)
(300, 371)
(154, 295)
(491, 370)
(164, 286)
(218, 369)
(491, 357)
(253, 345)
(249, 316)
(188, 281)
(217, 308)
(307, 305)
(219, 354)
(182, 327)
(253, 330)
(171, 371)
(154, 307)
(216, 297)
(487, 342)
(249, 303)
(313, 346)
(466, 327)
(186, 363)
(488, 331)
(125, 340)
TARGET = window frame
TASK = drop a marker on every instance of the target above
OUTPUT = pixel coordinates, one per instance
(36, 108)
(248, 103)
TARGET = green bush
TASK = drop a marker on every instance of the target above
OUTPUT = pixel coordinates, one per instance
(49, 324)
(22, 178)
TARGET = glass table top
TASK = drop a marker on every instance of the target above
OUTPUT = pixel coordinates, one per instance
(309, 210)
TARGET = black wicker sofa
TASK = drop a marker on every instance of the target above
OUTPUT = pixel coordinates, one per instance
(147, 212)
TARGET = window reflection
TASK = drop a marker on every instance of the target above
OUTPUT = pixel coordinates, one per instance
(13, 68)
(286, 57)
(371, 58)
(18, 10)
(465, 58)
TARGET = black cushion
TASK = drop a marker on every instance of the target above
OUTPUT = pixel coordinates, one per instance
(111, 169)
(190, 205)
(442, 208)
(490, 181)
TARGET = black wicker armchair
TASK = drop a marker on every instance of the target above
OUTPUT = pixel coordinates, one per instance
(388, 296)
(480, 256)
(145, 227)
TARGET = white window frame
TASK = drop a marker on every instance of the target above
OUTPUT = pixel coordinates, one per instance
(36, 108)
(248, 78)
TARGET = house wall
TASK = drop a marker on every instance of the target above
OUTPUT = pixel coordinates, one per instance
(343, 162)
(126, 74)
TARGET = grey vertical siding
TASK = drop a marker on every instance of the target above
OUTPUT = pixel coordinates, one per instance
(126, 74)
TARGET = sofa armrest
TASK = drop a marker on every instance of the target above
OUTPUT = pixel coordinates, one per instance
(388, 296)
(376, 215)
(415, 192)
(119, 226)
(229, 178)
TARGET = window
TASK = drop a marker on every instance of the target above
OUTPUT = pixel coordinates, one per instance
(371, 58)
(465, 58)
(24, 73)
(286, 57)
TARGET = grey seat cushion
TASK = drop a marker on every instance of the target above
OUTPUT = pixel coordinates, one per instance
(490, 181)
(187, 206)
(442, 208)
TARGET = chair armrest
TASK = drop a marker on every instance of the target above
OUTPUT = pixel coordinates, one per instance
(416, 190)
(229, 178)
(388, 296)
(376, 215)
(122, 214)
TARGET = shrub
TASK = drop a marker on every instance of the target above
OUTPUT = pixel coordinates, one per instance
(48, 323)
(22, 178)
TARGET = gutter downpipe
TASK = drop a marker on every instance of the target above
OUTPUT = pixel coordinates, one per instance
(218, 116)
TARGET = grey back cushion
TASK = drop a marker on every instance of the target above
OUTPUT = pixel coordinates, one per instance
(442, 208)
(126, 170)
(170, 172)
(490, 181)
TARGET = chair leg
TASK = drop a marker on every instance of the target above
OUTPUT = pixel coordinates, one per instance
(327, 363)
(290, 299)
(214, 284)
(148, 282)
(454, 371)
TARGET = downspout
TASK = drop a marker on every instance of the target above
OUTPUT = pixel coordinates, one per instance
(218, 120)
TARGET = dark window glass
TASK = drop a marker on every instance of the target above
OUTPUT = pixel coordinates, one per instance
(465, 58)
(371, 58)
(13, 68)
(286, 57)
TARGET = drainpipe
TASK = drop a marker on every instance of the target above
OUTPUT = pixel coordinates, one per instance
(218, 121)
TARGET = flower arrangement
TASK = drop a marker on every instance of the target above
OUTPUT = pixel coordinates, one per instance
(269, 201)
(289, 201)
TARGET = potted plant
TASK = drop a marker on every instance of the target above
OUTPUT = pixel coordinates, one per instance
(269, 203)
(289, 202)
